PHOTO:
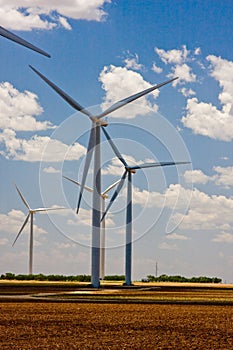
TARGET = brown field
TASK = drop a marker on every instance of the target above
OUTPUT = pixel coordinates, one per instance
(115, 326)
(164, 316)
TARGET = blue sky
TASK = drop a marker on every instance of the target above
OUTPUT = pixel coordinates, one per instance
(103, 51)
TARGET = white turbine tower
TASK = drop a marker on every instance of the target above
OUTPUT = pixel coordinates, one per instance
(104, 196)
(18, 40)
(30, 215)
(129, 170)
(94, 146)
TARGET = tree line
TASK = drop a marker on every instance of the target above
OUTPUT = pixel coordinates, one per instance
(200, 279)
(87, 278)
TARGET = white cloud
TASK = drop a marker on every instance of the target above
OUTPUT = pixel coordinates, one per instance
(156, 69)
(197, 51)
(177, 236)
(167, 246)
(221, 71)
(12, 222)
(194, 210)
(183, 72)
(38, 148)
(206, 212)
(196, 177)
(224, 176)
(119, 83)
(205, 118)
(18, 110)
(132, 62)
(85, 218)
(173, 56)
(42, 14)
(179, 59)
(187, 92)
(51, 170)
(223, 237)
(3, 241)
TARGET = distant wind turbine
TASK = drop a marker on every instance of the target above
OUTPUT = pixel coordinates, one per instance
(94, 146)
(18, 40)
(30, 215)
(104, 196)
(129, 170)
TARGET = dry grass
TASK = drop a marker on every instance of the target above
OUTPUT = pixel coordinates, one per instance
(114, 326)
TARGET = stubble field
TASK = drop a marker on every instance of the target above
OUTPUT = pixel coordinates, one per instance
(77, 325)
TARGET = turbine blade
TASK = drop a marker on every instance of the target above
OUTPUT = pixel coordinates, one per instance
(46, 209)
(158, 164)
(24, 224)
(18, 40)
(114, 148)
(90, 150)
(115, 194)
(132, 98)
(110, 187)
(60, 92)
(22, 197)
(79, 184)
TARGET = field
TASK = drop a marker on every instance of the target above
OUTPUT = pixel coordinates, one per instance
(188, 318)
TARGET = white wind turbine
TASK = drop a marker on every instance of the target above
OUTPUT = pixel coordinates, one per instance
(129, 170)
(104, 196)
(94, 146)
(30, 215)
(18, 40)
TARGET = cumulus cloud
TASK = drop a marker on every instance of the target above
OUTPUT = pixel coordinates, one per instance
(205, 118)
(194, 209)
(38, 148)
(187, 92)
(119, 83)
(223, 237)
(178, 59)
(116, 168)
(177, 236)
(132, 62)
(174, 56)
(156, 69)
(51, 170)
(85, 218)
(196, 177)
(12, 222)
(41, 14)
(167, 246)
(206, 212)
(18, 110)
(224, 176)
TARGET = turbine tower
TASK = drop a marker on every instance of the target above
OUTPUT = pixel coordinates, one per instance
(129, 170)
(94, 146)
(104, 196)
(18, 40)
(30, 215)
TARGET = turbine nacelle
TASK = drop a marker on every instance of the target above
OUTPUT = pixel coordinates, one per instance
(99, 122)
(130, 170)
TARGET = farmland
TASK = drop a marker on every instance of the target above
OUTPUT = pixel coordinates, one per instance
(188, 318)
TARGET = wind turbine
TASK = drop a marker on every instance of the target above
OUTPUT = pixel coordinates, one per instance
(30, 215)
(129, 170)
(18, 40)
(104, 196)
(94, 146)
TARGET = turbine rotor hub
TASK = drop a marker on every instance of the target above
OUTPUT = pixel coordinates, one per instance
(130, 170)
(100, 122)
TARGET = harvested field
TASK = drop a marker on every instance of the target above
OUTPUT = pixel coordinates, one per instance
(115, 326)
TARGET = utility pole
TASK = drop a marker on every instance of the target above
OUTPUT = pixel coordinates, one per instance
(156, 269)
